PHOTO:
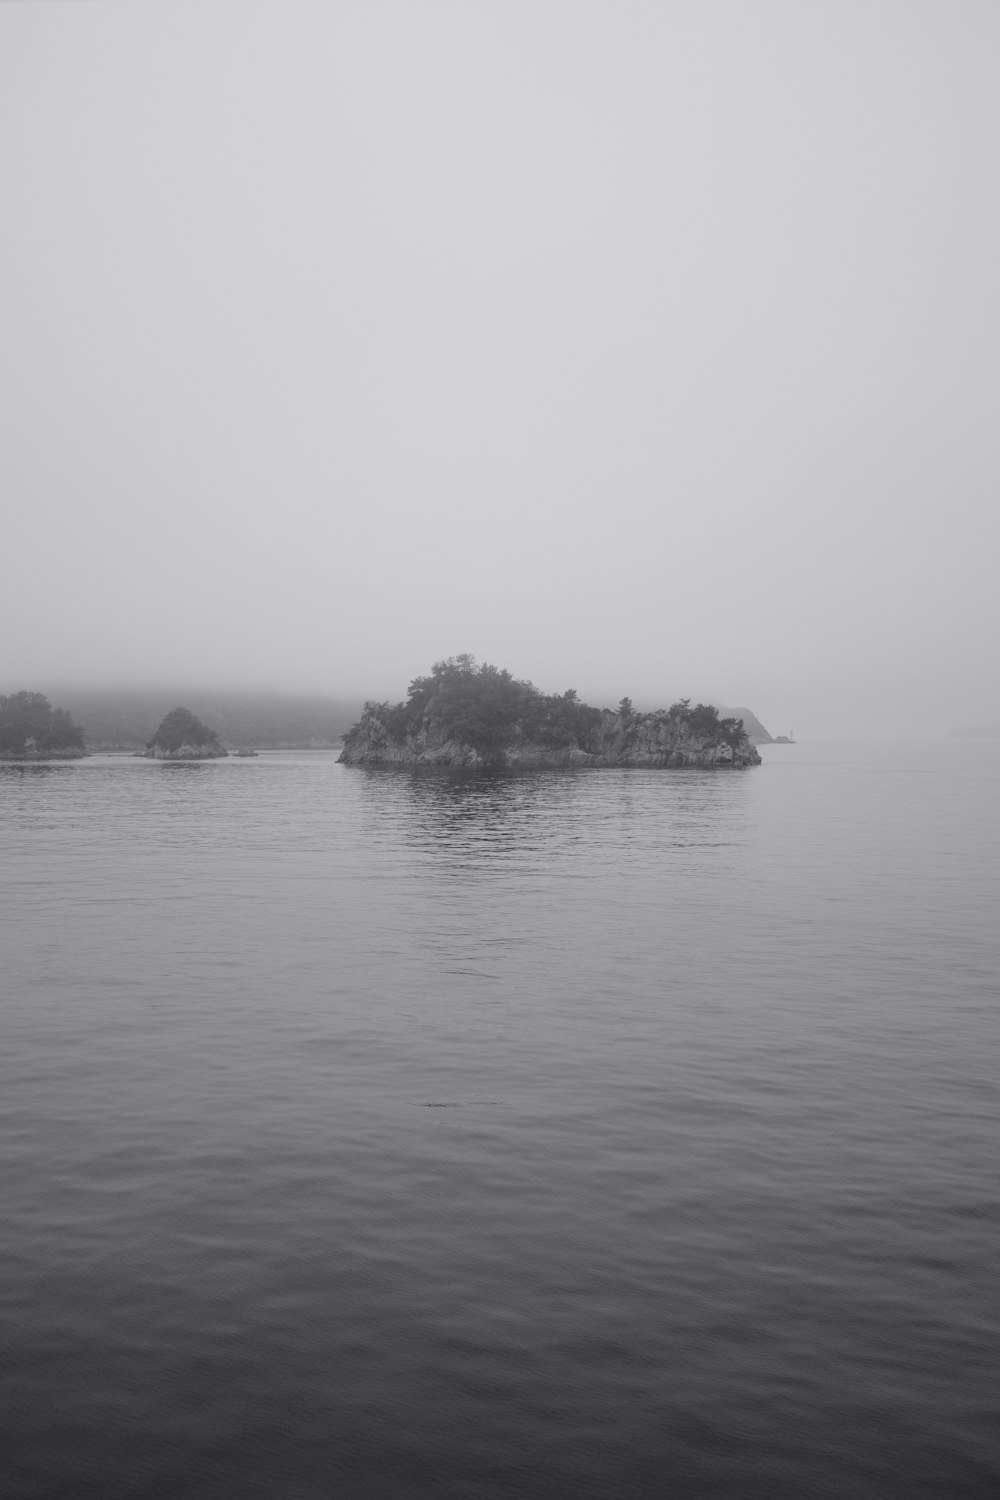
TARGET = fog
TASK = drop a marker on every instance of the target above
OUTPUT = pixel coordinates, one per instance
(639, 348)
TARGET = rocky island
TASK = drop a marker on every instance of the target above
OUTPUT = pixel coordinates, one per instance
(464, 715)
(183, 737)
(31, 729)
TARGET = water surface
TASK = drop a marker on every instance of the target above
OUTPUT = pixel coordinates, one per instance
(561, 1134)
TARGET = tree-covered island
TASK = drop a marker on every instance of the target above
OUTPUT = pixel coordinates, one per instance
(31, 729)
(182, 736)
(462, 714)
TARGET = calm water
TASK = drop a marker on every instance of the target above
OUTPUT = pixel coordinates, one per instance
(561, 1135)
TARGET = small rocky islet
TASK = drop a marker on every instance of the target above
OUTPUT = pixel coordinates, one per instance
(182, 736)
(467, 716)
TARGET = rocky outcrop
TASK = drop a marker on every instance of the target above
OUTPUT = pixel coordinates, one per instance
(186, 751)
(661, 739)
(183, 737)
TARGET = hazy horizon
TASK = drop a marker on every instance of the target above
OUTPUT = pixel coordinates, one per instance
(824, 725)
(641, 350)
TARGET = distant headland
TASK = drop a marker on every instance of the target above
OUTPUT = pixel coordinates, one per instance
(464, 715)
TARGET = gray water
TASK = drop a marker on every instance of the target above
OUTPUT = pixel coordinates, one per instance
(599, 1134)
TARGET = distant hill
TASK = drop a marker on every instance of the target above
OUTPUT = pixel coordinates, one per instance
(126, 719)
(756, 732)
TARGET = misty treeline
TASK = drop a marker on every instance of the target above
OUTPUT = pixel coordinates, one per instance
(125, 718)
(487, 708)
(30, 725)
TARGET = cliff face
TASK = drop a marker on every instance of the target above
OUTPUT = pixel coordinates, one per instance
(650, 740)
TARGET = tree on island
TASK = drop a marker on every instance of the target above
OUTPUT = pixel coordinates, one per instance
(485, 707)
(29, 725)
(182, 735)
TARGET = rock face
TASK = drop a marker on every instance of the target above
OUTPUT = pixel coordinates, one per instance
(183, 737)
(650, 740)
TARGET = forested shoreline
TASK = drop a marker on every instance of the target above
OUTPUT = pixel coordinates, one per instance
(31, 729)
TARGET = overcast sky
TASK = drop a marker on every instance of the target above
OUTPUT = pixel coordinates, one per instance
(642, 348)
